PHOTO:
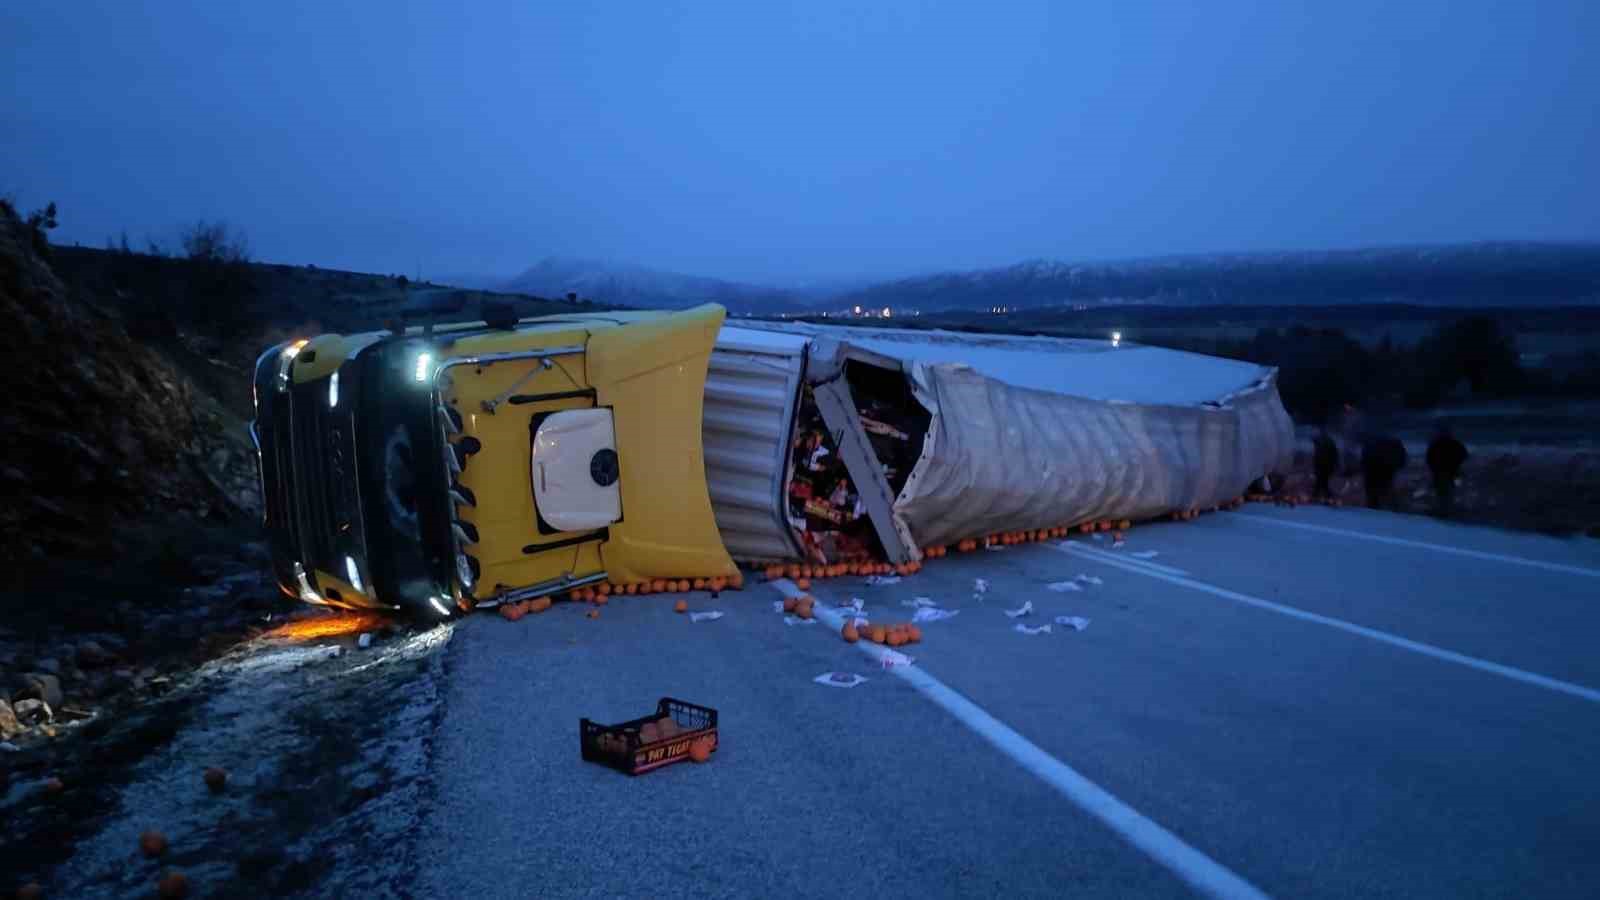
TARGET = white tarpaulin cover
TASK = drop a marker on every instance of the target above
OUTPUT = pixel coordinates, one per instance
(1003, 458)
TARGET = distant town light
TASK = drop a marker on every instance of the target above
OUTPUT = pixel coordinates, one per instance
(1116, 338)
(858, 310)
(886, 312)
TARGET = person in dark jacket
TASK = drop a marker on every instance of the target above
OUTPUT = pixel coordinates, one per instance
(1324, 460)
(1382, 458)
(1446, 455)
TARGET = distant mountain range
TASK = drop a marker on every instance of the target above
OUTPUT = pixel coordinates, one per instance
(631, 285)
(1460, 275)
(1455, 275)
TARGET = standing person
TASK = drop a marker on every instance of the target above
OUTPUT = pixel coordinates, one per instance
(1351, 435)
(1446, 455)
(1324, 460)
(1382, 458)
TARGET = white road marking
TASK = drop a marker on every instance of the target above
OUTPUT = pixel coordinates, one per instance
(1424, 545)
(1482, 665)
(1096, 553)
(1203, 874)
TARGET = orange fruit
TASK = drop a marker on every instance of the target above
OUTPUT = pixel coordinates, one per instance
(33, 890)
(803, 608)
(793, 571)
(215, 779)
(737, 581)
(152, 843)
(913, 634)
(774, 572)
(649, 732)
(789, 604)
(600, 599)
(658, 586)
(508, 611)
(682, 606)
(877, 634)
(173, 885)
(603, 589)
(803, 584)
(700, 748)
(592, 614)
(718, 583)
(849, 633)
(699, 584)
(1125, 524)
(539, 605)
(895, 638)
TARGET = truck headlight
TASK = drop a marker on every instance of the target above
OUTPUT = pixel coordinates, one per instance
(285, 360)
(333, 389)
(354, 573)
(424, 366)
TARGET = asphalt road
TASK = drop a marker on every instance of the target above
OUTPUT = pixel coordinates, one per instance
(1302, 703)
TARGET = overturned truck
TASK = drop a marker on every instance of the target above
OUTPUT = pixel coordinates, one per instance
(436, 469)
(825, 443)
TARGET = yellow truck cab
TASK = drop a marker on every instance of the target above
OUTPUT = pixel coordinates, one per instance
(436, 469)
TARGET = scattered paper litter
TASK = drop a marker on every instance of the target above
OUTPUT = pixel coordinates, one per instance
(1042, 629)
(918, 602)
(777, 606)
(980, 584)
(1062, 587)
(709, 615)
(839, 679)
(931, 614)
(1022, 610)
(1145, 554)
(1089, 579)
(1097, 536)
(994, 548)
(1076, 623)
(796, 620)
(880, 580)
(855, 603)
(892, 658)
(1117, 543)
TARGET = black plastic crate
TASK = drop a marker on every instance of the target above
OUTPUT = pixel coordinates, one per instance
(622, 748)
